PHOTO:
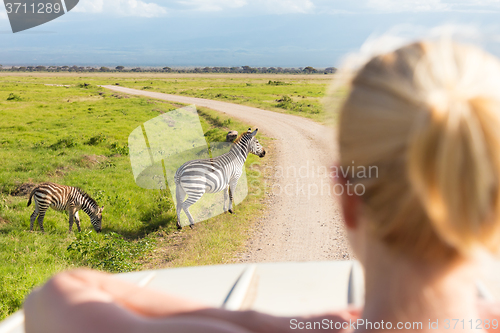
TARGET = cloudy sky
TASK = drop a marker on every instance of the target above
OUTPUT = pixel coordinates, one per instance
(286, 33)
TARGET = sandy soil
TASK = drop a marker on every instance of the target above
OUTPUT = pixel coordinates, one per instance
(303, 222)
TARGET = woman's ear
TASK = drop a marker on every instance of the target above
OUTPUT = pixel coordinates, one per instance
(350, 203)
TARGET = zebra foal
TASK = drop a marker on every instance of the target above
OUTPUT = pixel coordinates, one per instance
(197, 177)
(61, 197)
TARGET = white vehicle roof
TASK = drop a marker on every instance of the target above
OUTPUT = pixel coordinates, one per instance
(283, 289)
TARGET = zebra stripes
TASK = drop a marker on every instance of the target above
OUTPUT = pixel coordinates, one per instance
(197, 177)
(61, 197)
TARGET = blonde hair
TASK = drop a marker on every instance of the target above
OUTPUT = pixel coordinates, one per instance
(428, 117)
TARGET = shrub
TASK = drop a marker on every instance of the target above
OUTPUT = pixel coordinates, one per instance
(278, 83)
(117, 149)
(215, 135)
(96, 139)
(110, 252)
(67, 142)
(14, 97)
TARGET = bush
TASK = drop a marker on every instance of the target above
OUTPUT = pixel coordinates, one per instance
(285, 102)
(278, 83)
(117, 149)
(14, 97)
(96, 139)
(215, 135)
(109, 253)
(68, 142)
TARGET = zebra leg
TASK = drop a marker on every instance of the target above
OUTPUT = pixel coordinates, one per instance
(77, 220)
(34, 215)
(225, 199)
(232, 190)
(70, 213)
(180, 194)
(33, 218)
(191, 200)
(41, 216)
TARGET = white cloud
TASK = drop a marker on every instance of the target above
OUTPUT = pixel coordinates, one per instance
(213, 5)
(288, 6)
(480, 6)
(408, 5)
(400, 35)
(261, 6)
(121, 7)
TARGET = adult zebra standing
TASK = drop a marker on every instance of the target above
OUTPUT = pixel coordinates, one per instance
(213, 175)
(61, 197)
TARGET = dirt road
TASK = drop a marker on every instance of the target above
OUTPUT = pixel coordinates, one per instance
(304, 223)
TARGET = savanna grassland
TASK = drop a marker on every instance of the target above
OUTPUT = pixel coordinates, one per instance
(70, 131)
(301, 95)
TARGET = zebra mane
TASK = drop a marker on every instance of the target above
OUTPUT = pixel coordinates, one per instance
(88, 197)
(238, 139)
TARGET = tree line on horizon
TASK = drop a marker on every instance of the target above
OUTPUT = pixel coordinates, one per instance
(242, 69)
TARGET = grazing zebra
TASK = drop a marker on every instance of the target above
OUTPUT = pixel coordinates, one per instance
(213, 175)
(60, 197)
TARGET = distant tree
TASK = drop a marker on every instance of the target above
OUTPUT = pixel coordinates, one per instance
(167, 69)
(248, 69)
(104, 69)
(120, 68)
(207, 70)
(40, 68)
(330, 70)
(310, 70)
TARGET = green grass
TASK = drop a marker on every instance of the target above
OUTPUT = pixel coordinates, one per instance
(297, 95)
(78, 136)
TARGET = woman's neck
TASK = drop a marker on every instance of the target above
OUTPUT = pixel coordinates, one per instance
(399, 290)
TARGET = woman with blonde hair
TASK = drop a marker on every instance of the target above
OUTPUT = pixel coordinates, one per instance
(427, 116)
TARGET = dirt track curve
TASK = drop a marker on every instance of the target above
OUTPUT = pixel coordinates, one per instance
(303, 223)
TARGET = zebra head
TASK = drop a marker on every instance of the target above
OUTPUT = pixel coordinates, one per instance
(254, 146)
(96, 218)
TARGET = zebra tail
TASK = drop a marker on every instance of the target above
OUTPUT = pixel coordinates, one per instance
(31, 196)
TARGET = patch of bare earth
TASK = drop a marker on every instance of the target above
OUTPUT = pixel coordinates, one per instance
(23, 190)
(3, 221)
(90, 161)
(59, 171)
(167, 250)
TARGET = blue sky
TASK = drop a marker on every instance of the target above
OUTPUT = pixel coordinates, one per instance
(286, 33)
